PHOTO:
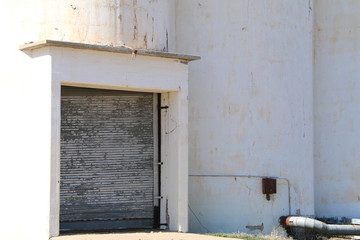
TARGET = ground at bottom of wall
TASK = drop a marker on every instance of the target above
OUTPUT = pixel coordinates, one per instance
(156, 235)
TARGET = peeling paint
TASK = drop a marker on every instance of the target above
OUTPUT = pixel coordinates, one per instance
(104, 22)
(250, 107)
(337, 100)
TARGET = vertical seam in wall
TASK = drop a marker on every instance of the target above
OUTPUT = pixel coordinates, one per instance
(313, 53)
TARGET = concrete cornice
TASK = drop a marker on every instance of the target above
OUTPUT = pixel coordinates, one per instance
(105, 48)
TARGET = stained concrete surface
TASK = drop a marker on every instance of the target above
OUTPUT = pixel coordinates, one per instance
(140, 236)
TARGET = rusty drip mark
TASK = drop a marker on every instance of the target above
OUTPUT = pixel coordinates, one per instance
(145, 41)
(152, 36)
(133, 51)
(135, 20)
(167, 41)
(133, 54)
(167, 213)
(135, 32)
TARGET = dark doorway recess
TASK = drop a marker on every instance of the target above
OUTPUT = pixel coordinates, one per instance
(107, 160)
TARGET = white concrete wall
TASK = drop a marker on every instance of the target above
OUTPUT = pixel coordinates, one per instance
(27, 96)
(25, 127)
(337, 115)
(174, 179)
(51, 67)
(137, 23)
(25, 149)
(168, 76)
(251, 103)
(250, 109)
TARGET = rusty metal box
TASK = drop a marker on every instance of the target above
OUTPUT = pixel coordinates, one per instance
(269, 185)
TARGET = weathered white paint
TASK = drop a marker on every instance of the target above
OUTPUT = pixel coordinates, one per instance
(156, 75)
(44, 70)
(86, 68)
(139, 24)
(235, 202)
(337, 116)
(30, 98)
(26, 148)
(174, 137)
(250, 109)
(251, 104)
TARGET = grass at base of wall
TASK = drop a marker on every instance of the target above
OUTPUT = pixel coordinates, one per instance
(236, 236)
(273, 236)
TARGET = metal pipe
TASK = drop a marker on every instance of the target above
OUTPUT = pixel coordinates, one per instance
(321, 227)
(247, 176)
(230, 175)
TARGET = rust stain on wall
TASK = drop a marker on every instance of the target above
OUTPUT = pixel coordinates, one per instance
(167, 213)
(135, 20)
(145, 40)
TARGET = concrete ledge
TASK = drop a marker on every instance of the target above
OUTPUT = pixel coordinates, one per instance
(104, 48)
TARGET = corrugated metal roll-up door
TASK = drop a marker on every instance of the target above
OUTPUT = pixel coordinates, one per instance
(107, 159)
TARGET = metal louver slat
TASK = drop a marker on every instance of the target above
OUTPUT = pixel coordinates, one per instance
(107, 159)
